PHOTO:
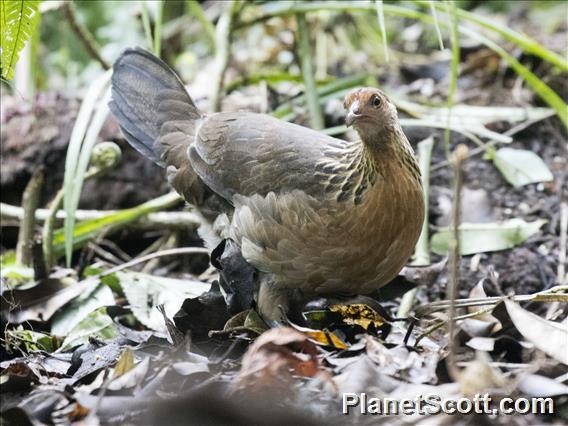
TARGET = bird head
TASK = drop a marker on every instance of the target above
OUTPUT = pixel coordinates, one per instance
(370, 112)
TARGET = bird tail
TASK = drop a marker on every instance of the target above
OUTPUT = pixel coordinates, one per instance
(155, 113)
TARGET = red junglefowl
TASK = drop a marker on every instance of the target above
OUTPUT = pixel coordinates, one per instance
(313, 214)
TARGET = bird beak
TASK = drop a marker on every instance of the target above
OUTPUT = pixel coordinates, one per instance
(351, 115)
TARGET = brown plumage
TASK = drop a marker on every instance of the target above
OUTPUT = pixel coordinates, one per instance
(314, 214)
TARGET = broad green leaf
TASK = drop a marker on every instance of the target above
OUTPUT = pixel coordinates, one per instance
(144, 292)
(97, 324)
(521, 167)
(486, 237)
(19, 20)
(69, 316)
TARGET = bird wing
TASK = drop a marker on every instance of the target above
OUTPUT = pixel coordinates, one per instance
(246, 154)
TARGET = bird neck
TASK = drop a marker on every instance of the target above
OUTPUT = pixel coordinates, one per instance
(389, 154)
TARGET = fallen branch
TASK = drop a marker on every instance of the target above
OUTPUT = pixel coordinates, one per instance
(13, 215)
(30, 201)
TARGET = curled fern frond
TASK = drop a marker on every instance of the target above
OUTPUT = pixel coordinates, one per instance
(19, 20)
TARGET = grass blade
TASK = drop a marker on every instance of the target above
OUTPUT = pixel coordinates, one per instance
(381, 19)
(436, 24)
(146, 25)
(304, 51)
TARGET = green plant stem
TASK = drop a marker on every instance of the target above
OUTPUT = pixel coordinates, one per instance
(197, 11)
(305, 54)
(83, 138)
(146, 25)
(436, 24)
(422, 251)
(381, 19)
(30, 202)
(49, 224)
(158, 28)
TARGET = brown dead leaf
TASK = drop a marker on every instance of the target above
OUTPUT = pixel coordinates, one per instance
(479, 376)
(478, 292)
(274, 360)
(322, 337)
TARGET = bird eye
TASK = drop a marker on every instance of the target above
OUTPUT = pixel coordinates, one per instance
(376, 101)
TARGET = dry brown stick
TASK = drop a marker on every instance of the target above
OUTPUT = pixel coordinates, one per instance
(84, 35)
(549, 295)
(442, 323)
(460, 154)
(26, 234)
(562, 277)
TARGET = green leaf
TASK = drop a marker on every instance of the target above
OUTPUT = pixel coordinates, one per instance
(521, 167)
(33, 340)
(69, 316)
(19, 20)
(486, 237)
(144, 292)
(13, 274)
(97, 324)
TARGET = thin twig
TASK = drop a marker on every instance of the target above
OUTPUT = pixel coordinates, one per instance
(30, 201)
(84, 35)
(484, 147)
(562, 277)
(197, 11)
(548, 295)
(451, 323)
(459, 155)
(169, 252)
(454, 69)
(305, 53)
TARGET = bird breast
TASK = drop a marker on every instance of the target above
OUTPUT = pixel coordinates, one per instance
(326, 246)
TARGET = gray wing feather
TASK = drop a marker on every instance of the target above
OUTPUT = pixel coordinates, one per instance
(247, 153)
